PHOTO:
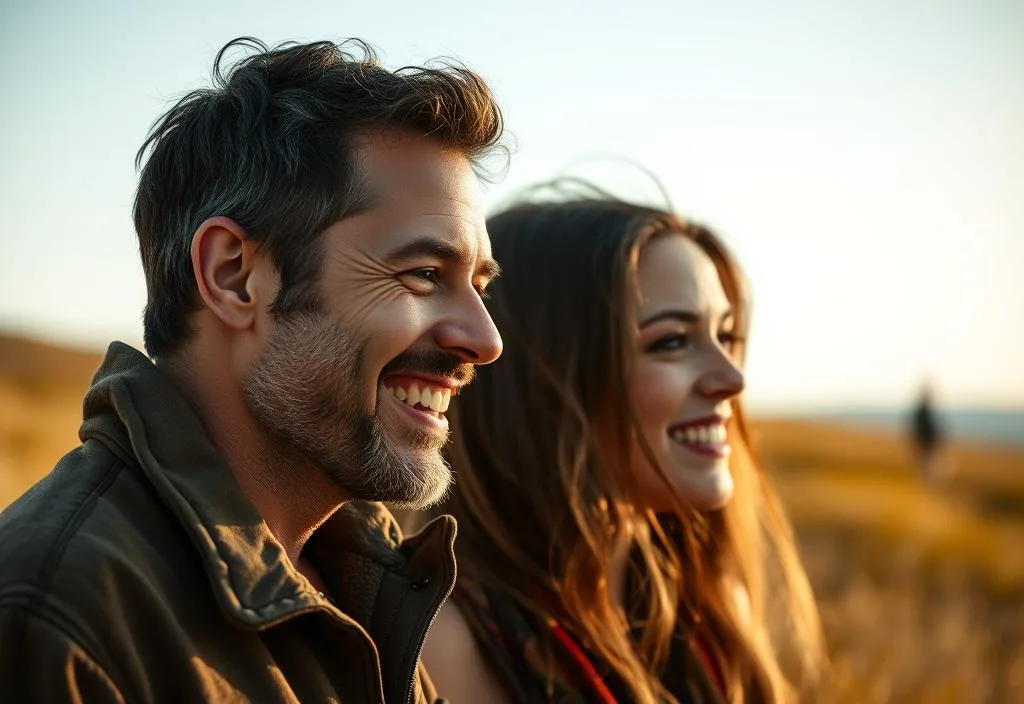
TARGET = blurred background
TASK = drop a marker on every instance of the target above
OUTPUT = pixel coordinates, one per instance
(864, 160)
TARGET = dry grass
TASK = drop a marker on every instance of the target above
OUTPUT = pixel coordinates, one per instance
(41, 390)
(921, 588)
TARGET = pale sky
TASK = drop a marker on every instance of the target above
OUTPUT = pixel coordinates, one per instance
(865, 160)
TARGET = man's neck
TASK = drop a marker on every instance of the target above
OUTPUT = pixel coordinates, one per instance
(289, 491)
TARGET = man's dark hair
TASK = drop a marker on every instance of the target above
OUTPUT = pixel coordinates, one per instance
(269, 146)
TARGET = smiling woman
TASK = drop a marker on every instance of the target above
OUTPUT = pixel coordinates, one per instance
(684, 376)
(618, 539)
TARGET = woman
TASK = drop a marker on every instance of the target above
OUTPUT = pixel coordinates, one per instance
(618, 541)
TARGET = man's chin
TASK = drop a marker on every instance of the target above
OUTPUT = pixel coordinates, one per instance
(433, 481)
(407, 478)
(420, 445)
(426, 495)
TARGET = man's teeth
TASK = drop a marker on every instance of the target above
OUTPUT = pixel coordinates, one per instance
(714, 434)
(436, 399)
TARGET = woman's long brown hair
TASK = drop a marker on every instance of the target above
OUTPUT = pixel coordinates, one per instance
(543, 505)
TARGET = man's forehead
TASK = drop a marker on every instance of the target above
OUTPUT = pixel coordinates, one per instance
(399, 164)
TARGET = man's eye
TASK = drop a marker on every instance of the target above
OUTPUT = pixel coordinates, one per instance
(421, 280)
(430, 274)
(670, 343)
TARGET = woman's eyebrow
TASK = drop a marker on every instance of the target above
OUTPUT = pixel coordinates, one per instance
(683, 316)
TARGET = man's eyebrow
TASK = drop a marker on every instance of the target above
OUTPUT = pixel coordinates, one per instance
(489, 269)
(441, 249)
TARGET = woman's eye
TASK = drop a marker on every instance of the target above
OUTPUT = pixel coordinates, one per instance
(670, 343)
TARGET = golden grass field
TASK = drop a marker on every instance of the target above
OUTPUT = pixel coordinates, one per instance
(921, 588)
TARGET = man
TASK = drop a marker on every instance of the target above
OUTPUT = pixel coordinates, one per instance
(313, 241)
(928, 438)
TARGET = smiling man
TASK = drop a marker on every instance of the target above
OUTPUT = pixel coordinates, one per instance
(315, 253)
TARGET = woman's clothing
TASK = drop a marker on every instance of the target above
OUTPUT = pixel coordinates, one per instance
(514, 642)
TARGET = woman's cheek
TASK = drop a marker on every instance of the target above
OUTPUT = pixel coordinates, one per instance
(659, 393)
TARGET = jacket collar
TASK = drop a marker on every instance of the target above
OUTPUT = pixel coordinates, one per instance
(136, 411)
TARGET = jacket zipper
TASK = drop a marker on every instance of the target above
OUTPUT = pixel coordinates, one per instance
(419, 650)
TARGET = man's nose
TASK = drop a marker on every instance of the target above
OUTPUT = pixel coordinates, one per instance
(469, 332)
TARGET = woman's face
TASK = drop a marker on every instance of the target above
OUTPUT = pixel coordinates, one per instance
(684, 376)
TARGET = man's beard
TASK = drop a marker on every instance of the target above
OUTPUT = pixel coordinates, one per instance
(307, 389)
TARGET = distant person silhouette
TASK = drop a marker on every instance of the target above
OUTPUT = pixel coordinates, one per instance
(929, 438)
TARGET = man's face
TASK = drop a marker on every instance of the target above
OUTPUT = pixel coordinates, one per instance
(361, 385)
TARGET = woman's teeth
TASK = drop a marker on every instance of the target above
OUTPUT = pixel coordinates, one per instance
(425, 397)
(711, 434)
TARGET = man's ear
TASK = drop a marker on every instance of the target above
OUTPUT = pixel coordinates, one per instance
(224, 260)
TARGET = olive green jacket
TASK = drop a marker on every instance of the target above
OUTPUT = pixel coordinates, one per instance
(137, 571)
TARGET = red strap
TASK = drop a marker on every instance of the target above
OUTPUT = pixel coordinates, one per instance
(590, 674)
(710, 664)
(593, 679)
